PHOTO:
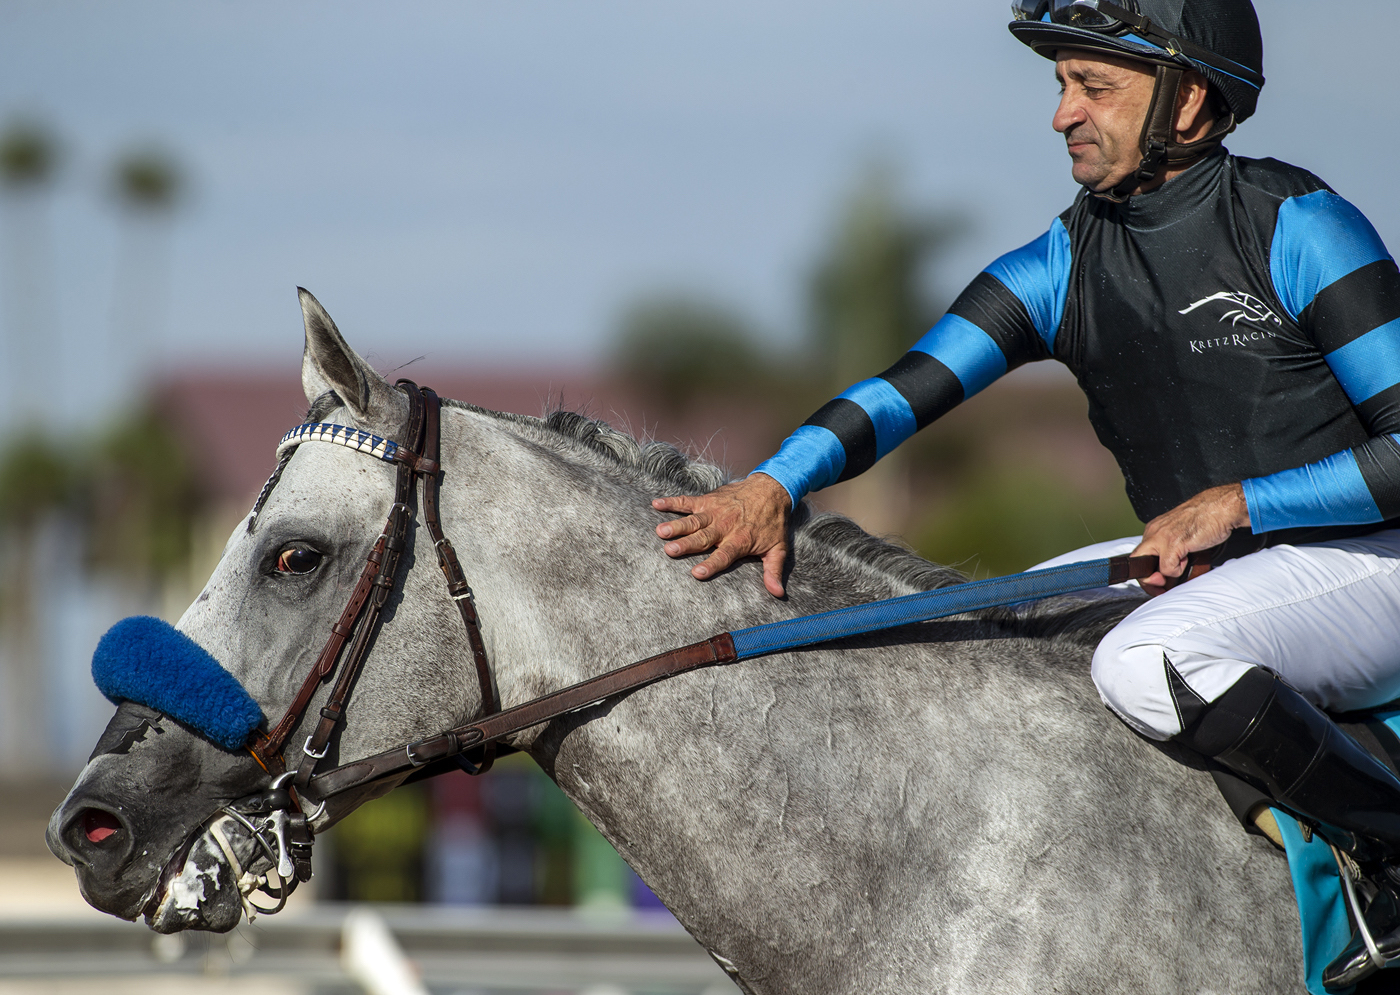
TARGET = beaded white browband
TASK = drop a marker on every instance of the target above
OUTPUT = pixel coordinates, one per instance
(342, 435)
(322, 431)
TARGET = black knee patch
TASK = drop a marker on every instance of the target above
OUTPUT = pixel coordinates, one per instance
(1211, 728)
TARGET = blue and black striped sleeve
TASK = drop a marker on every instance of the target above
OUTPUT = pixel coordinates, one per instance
(1007, 316)
(1333, 274)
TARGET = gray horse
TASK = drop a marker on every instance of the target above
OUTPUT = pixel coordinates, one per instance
(943, 808)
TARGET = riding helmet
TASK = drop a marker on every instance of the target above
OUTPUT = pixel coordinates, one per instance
(1227, 31)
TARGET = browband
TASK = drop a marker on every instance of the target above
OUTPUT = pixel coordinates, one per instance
(352, 438)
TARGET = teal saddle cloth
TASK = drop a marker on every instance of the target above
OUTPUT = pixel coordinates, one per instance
(1322, 908)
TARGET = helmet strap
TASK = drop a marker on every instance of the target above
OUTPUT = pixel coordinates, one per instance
(1158, 139)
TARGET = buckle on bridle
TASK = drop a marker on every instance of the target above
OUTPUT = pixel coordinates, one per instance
(447, 740)
(306, 748)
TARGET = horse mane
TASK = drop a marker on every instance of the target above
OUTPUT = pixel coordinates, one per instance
(830, 536)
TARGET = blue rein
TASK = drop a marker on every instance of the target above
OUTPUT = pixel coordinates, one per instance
(927, 605)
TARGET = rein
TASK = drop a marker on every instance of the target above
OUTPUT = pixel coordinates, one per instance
(361, 618)
(729, 647)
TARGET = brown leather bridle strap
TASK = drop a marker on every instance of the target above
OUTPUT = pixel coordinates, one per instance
(492, 728)
(419, 456)
(457, 586)
(267, 748)
(371, 592)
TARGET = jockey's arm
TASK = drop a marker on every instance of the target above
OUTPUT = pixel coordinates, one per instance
(1007, 316)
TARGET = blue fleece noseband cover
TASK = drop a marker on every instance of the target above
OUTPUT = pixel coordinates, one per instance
(150, 662)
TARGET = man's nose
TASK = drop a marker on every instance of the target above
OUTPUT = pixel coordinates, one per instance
(1069, 113)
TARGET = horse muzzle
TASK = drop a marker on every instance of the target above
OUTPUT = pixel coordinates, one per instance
(197, 890)
(259, 843)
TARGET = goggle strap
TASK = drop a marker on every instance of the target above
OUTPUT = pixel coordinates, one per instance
(1174, 45)
(1140, 25)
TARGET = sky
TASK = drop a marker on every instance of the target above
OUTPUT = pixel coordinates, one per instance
(489, 184)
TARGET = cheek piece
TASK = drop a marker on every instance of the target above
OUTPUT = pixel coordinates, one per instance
(150, 662)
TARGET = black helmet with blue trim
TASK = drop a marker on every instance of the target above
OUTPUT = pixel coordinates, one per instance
(1218, 38)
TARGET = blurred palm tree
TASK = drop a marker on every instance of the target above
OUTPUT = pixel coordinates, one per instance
(868, 301)
(139, 500)
(679, 347)
(149, 185)
(33, 478)
(29, 160)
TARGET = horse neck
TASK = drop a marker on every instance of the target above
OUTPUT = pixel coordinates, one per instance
(570, 579)
(686, 776)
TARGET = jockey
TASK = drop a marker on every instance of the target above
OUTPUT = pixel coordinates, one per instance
(1235, 326)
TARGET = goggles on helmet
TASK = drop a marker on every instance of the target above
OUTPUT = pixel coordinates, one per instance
(1103, 17)
(1093, 15)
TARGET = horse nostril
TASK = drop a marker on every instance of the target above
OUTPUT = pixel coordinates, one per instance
(99, 825)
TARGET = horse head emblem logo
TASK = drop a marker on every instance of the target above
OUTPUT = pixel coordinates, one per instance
(1247, 307)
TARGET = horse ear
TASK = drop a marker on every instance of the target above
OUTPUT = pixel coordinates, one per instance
(328, 363)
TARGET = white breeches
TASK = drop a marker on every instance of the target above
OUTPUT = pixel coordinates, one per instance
(1325, 617)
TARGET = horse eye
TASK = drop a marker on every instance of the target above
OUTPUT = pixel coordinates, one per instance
(298, 560)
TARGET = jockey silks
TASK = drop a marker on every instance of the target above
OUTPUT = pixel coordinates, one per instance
(1239, 323)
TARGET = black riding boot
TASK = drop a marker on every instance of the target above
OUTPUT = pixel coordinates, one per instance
(1268, 732)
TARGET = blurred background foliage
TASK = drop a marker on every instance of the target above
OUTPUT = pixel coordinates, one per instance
(129, 490)
(29, 153)
(868, 299)
(684, 346)
(140, 497)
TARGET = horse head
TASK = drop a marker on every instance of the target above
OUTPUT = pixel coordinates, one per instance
(152, 826)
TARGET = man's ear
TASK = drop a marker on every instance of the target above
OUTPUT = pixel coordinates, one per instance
(1194, 113)
(328, 363)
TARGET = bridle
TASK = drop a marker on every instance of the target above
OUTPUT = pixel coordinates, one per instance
(354, 630)
(275, 818)
(470, 747)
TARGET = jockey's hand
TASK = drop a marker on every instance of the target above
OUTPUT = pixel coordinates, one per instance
(748, 517)
(1198, 523)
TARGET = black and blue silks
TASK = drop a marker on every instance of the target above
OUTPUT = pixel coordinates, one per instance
(1239, 323)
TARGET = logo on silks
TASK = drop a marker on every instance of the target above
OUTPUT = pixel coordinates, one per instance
(1240, 307)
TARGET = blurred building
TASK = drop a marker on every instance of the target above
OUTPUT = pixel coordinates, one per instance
(231, 422)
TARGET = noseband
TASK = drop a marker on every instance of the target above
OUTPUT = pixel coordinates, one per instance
(353, 632)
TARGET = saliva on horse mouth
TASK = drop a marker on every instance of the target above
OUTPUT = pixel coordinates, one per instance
(246, 845)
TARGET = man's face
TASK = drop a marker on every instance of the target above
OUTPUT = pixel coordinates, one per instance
(1103, 103)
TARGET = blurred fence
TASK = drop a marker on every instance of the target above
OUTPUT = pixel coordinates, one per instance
(467, 952)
